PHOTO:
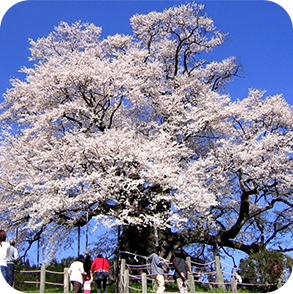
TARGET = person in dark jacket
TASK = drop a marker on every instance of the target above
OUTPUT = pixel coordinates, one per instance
(181, 271)
(87, 264)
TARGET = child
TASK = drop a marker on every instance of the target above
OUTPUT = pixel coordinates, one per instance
(87, 284)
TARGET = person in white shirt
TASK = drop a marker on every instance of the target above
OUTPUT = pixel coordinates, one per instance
(87, 285)
(11, 258)
(76, 274)
(4, 247)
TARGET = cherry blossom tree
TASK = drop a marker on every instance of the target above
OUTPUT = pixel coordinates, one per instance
(250, 171)
(136, 131)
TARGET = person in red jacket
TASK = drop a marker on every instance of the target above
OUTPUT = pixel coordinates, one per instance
(99, 269)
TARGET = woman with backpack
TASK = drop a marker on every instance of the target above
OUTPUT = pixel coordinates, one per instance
(99, 269)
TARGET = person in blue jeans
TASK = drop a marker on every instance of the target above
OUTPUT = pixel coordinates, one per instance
(4, 247)
(11, 259)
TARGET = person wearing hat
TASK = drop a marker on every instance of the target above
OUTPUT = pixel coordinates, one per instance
(87, 284)
(11, 259)
(76, 273)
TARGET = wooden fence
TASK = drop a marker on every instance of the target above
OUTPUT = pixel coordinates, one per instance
(218, 280)
(42, 282)
(126, 276)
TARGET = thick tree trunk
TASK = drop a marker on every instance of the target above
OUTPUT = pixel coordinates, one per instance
(137, 240)
(142, 241)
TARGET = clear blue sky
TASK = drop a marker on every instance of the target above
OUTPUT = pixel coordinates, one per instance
(260, 36)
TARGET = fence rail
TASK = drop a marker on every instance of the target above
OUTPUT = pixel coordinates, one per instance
(42, 283)
(212, 278)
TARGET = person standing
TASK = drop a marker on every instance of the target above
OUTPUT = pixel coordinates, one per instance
(87, 285)
(99, 269)
(157, 269)
(87, 264)
(11, 258)
(4, 247)
(181, 272)
(76, 274)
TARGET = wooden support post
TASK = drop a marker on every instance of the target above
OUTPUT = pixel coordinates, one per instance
(123, 266)
(144, 283)
(280, 287)
(234, 285)
(66, 280)
(121, 276)
(220, 279)
(154, 284)
(42, 278)
(126, 281)
(190, 277)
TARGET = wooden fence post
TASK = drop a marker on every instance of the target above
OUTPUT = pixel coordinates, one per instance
(234, 285)
(126, 281)
(42, 278)
(220, 279)
(144, 283)
(280, 287)
(66, 280)
(123, 265)
(190, 277)
(121, 276)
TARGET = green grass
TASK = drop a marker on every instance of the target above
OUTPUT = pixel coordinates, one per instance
(170, 287)
(50, 290)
